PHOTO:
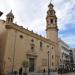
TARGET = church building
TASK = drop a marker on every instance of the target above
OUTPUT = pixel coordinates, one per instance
(18, 44)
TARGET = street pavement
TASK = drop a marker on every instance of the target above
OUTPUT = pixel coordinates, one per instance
(72, 73)
(35, 73)
(51, 73)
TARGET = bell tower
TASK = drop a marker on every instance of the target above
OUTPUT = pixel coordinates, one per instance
(9, 17)
(52, 33)
(51, 21)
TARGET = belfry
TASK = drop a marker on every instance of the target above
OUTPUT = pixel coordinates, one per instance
(52, 31)
(51, 21)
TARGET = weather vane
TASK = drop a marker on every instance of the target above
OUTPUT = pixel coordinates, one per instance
(50, 1)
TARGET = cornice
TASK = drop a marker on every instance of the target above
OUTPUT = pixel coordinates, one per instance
(52, 28)
(27, 32)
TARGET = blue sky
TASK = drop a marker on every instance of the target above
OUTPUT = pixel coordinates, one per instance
(31, 14)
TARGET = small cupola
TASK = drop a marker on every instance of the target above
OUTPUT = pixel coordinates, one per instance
(50, 5)
(51, 18)
(10, 17)
(51, 11)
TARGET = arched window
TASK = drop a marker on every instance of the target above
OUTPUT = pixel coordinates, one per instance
(32, 45)
(51, 12)
(51, 21)
(8, 19)
(40, 44)
(11, 20)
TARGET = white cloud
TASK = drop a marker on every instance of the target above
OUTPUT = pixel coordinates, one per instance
(26, 11)
(32, 13)
(65, 13)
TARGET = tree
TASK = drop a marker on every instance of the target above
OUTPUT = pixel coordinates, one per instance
(25, 64)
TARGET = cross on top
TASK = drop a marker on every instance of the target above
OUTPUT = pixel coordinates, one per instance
(50, 1)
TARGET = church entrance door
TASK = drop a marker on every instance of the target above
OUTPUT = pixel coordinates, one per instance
(31, 64)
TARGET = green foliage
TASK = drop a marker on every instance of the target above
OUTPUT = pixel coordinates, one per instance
(25, 64)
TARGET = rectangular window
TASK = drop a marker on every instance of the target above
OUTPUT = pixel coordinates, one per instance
(52, 56)
(41, 45)
(44, 62)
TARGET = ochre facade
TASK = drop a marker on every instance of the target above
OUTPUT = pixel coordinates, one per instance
(18, 44)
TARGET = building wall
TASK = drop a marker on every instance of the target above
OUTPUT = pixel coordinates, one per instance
(3, 36)
(73, 50)
(64, 52)
(18, 46)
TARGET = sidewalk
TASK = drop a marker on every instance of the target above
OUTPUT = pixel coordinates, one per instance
(51, 73)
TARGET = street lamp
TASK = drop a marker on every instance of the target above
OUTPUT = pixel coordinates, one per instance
(48, 64)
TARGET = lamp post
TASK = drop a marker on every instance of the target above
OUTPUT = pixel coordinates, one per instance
(48, 64)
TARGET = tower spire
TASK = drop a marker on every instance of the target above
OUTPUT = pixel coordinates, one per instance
(11, 11)
(9, 17)
(52, 32)
(51, 20)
